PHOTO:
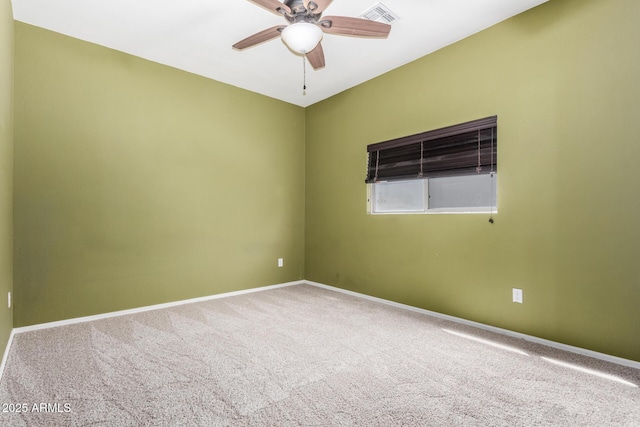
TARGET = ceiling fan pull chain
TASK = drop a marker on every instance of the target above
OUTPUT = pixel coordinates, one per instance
(304, 75)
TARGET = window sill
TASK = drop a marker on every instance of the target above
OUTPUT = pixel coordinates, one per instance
(441, 211)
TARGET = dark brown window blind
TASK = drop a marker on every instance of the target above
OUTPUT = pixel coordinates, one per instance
(466, 148)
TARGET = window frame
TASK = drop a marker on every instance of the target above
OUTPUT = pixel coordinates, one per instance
(372, 206)
(454, 151)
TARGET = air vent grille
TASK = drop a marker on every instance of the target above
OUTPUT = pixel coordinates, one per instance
(379, 13)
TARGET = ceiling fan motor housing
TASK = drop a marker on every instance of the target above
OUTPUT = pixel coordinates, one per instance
(299, 13)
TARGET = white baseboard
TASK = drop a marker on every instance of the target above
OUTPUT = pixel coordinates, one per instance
(146, 308)
(6, 353)
(548, 343)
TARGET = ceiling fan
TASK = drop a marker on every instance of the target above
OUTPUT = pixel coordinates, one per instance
(306, 26)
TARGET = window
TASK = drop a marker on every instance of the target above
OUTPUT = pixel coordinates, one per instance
(451, 170)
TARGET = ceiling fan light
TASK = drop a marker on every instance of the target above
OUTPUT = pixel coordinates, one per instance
(302, 37)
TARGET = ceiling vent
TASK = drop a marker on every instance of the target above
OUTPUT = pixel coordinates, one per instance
(379, 13)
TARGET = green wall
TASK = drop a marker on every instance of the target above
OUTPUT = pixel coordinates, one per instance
(563, 80)
(138, 184)
(6, 169)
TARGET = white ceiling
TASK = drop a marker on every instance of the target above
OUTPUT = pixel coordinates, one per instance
(196, 36)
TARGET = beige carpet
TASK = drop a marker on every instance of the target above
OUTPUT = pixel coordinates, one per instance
(305, 356)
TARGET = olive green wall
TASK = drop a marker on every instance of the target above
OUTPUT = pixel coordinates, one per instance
(563, 80)
(6, 169)
(138, 184)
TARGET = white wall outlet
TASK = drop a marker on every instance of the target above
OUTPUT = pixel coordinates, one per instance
(9, 299)
(280, 262)
(517, 295)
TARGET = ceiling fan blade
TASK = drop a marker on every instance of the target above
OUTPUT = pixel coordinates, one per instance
(346, 26)
(257, 38)
(317, 6)
(273, 5)
(316, 57)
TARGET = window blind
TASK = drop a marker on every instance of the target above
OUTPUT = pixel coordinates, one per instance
(466, 148)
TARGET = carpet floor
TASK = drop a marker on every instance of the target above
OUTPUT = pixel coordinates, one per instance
(302, 356)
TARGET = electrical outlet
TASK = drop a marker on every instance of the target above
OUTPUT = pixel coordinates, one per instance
(9, 299)
(280, 262)
(517, 295)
